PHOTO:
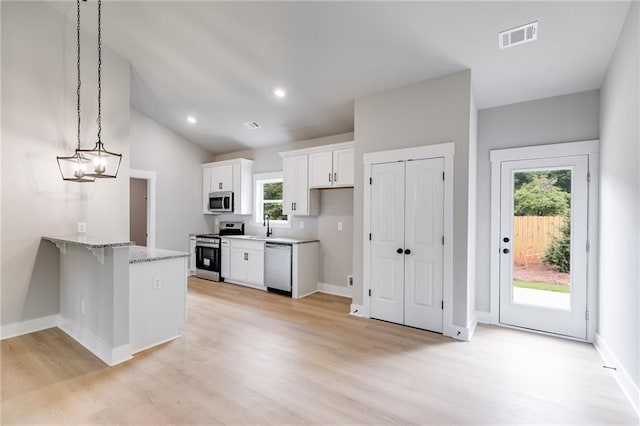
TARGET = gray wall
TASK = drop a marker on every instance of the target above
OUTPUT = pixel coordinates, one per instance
(619, 274)
(425, 113)
(336, 205)
(38, 124)
(176, 161)
(565, 118)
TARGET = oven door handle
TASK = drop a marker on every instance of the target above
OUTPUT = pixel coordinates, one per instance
(207, 245)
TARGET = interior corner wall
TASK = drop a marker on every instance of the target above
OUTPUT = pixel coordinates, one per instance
(176, 161)
(619, 274)
(426, 113)
(472, 207)
(566, 118)
(38, 124)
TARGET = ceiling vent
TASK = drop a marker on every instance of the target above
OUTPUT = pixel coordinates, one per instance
(519, 35)
(251, 125)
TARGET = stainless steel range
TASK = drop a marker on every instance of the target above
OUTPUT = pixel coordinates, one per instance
(208, 250)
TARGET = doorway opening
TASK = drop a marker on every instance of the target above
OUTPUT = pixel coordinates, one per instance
(543, 202)
(142, 207)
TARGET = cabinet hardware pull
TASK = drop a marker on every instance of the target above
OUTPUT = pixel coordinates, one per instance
(246, 256)
(329, 177)
(219, 185)
(335, 177)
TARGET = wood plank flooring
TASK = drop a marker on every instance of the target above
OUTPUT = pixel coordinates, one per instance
(249, 357)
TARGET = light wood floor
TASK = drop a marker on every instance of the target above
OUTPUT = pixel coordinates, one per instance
(249, 357)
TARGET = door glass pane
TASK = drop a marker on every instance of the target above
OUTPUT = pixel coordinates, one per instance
(542, 238)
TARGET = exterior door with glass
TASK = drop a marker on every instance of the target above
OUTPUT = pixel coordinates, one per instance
(544, 244)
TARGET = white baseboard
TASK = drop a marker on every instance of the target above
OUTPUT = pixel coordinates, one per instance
(28, 326)
(471, 326)
(109, 355)
(336, 290)
(626, 383)
(356, 310)
(484, 317)
(457, 332)
(307, 294)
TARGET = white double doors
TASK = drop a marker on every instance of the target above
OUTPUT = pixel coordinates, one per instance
(407, 237)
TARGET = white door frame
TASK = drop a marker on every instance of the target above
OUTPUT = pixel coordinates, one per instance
(443, 150)
(589, 148)
(150, 177)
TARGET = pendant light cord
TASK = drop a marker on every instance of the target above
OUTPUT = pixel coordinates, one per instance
(99, 70)
(78, 67)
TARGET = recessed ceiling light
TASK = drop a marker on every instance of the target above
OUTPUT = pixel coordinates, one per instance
(192, 119)
(279, 92)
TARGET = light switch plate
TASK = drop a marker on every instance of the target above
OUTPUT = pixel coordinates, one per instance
(301, 224)
(82, 227)
(339, 226)
(157, 282)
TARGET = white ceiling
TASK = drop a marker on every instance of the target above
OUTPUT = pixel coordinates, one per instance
(220, 61)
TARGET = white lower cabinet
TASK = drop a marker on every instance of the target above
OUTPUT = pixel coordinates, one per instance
(225, 261)
(246, 262)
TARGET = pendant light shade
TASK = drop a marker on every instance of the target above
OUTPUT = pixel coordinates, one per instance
(102, 163)
(74, 168)
(105, 164)
(88, 164)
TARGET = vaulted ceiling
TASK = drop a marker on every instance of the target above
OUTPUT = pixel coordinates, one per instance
(220, 61)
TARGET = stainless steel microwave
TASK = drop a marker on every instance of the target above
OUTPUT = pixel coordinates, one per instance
(221, 202)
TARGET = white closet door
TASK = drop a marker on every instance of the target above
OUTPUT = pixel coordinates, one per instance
(387, 237)
(424, 250)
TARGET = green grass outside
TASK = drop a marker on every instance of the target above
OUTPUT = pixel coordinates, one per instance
(542, 286)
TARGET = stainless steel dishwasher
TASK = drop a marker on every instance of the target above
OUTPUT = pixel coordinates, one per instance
(277, 267)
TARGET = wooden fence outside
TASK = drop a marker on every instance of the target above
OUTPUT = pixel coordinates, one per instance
(531, 234)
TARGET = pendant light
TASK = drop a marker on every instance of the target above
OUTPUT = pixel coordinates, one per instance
(104, 164)
(75, 167)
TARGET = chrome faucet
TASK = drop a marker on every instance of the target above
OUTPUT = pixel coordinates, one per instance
(266, 223)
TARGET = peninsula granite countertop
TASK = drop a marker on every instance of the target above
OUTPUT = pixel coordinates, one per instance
(139, 254)
(87, 241)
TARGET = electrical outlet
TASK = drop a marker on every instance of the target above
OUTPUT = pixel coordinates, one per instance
(82, 227)
(157, 282)
(83, 307)
(301, 224)
(339, 226)
(349, 280)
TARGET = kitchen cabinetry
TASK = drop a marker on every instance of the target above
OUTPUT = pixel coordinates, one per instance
(296, 197)
(332, 168)
(230, 175)
(224, 258)
(246, 262)
(221, 178)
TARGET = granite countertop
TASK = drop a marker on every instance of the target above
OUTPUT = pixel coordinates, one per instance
(88, 241)
(280, 240)
(139, 254)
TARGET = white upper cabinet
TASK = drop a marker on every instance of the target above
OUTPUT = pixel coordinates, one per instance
(296, 198)
(222, 178)
(343, 165)
(230, 175)
(332, 167)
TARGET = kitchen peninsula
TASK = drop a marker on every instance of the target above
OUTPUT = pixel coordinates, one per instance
(117, 299)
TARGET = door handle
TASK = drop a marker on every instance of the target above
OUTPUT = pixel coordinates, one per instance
(505, 251)
(399, 251)
(407, 251)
